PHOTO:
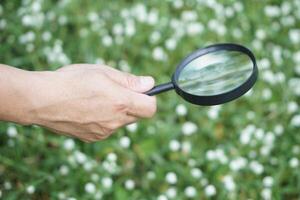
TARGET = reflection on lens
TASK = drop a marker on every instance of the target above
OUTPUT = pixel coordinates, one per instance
(215, 73)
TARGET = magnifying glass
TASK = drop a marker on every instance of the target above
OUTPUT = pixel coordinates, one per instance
(213, 75)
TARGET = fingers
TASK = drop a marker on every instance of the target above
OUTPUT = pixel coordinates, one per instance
(135, 83)
(142, 105)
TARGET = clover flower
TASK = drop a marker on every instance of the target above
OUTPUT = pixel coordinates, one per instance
(188, 128)
(171, 178)
(210, 191)
(190, 192)
(69, 144)
(174, 145)
(129, 184)
(171, 192)
(30, 189)
(124, 142)
(90, 188)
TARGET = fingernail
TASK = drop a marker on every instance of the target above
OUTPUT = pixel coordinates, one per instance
(146, 80)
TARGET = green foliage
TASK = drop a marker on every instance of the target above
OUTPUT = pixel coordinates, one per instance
(245, 149)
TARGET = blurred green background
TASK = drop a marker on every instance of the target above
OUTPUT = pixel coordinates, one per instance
(245, 149)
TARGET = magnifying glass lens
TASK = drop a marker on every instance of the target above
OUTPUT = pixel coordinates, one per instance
(215, 73)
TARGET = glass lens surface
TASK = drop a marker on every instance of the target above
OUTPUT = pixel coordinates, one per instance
(215, 73)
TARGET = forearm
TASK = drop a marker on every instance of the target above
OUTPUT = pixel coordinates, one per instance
(17, 90)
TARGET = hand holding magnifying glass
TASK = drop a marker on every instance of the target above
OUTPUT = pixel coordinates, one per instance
(213, 75)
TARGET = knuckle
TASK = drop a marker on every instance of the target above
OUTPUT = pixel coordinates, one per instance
(131, 81)
(121, 105)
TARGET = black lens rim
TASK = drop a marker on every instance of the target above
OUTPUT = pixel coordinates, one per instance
(223, 97)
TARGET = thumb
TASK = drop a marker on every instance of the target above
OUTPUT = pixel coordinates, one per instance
(139, 83)
(130, 81)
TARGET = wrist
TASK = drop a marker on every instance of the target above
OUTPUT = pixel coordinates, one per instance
(20, 94)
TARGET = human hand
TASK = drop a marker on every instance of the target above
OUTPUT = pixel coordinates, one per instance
(90, 101)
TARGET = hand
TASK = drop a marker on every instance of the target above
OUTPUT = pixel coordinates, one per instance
(90, 101)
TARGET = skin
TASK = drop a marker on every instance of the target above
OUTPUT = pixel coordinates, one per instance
(85, 101)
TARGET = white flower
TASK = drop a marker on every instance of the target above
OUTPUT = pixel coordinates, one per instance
(155, 37)
(297, 69)
(152, 17)
(229, 12)
(188, 128)
(171, 193)
(295, 121)
(250, 115)
(130, 28)
(296, 149)
(88, 166)
(238, 163)
(189, 16)
(292, 107)
(90, 188)
(30, 189)
(107, 40)
(177, 3)
(46, 36)
(266, 194)
(7, 185)
(159, 54)
(162, 197)
(3, 23)
(268, 181)
(259, 134)
(69, 144)
(181, 110)
(93, 17)
(196, 173)
(194, 28)
(95, 177)
(272, 11)
(286, 8)
(191, 162)
(256, 167)
(140, 12)
(294, 36)
(118, 29)
(190, 192)
(293, 85)
(238, 6)
(125, 142)
(171, 178)
(112, 157)
(296, 57)
(62, 20)
(294, 162)
(12, 131)
(64, 170)
(213, 112)
(171, 44)
(107, 182)
(174, 145)
(266, 93)
(210, 190)
(132, 127)
(151, 175)
(129, 184)
(186, 146)
(260, 34)
(80, 157)
(211, 155)
(229, 183)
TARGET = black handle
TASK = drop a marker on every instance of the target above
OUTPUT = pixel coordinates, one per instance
(160, 88)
